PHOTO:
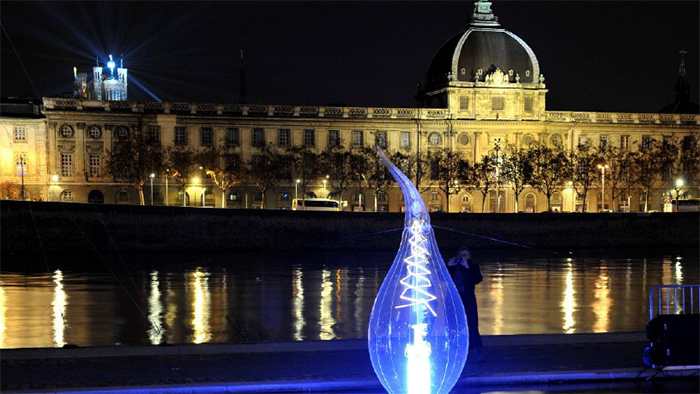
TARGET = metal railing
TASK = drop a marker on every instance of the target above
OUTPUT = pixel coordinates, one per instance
(684, 299)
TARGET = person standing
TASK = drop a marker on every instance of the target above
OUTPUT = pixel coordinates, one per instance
(466, 274)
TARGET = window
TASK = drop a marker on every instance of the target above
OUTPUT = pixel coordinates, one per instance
(123, 196)
(257, 196)
(382, 197)
(94, 131)
(357, 139)
(463, 139)
(258, 137)
(233, 196)
(667, 141)
(603, 142)
(556, 140)
(434, 139)
(66, 131)
(256, 160)
(646, 142)
(463, 103)
(666, 173)
(527, 104)
(435, 197)
(528, 140)
(405, 139)
(381, 139)
(582, 139)
(180, 135)
(154, 134)
(94, 166)
(333, 138)
(232, 137)
(20, 133)
(66, 195)
(233, 162)
(309, 138)
(283, 137)
(21, 164)
(121, 132)
(497, 103)
(434, 170)
(66, 164)
(207, 136)
(624, 142)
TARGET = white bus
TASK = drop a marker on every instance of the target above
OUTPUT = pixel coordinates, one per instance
(315, 204)
(689, 205)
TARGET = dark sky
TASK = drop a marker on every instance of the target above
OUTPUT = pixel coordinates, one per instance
(605, 56)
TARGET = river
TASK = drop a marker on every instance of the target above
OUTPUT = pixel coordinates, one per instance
(157, 298)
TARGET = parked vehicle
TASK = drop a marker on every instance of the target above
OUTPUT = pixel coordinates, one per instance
(315, 204)
(689, 205)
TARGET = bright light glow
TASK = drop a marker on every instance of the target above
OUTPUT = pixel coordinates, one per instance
(54, 178)
(201, 307)
(603, 302)
(110, 64)
(568, 304)
(326, 320)
(59, 303)
(152, 175)
(679, 183)
(195, 180)
(418, 336)
(298, 304)
(155, 311)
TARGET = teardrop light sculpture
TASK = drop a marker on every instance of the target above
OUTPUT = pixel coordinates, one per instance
(418, 336)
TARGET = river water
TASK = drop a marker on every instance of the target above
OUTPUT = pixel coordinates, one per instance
(156, 299)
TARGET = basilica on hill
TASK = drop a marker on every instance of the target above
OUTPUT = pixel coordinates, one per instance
(484, 90)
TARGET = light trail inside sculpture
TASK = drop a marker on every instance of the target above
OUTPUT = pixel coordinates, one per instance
(418, 335)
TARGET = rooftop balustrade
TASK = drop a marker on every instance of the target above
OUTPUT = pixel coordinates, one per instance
(255, 110)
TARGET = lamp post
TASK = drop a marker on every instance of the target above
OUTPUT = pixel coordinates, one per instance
(497, 148)
(296, 190)
(325, 181)
(602, 168)
(204, 190)
(679, 185)
(167, 175)
(152, 176)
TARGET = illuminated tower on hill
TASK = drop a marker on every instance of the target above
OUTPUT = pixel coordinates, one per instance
(109, 84)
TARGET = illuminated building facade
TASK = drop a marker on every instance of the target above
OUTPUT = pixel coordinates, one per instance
(483, 88)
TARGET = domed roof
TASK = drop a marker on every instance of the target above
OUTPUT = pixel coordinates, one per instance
(480, 50)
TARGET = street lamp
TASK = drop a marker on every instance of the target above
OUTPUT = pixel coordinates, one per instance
(204, 190)
(152, 176)
(325, 181)
(602, 168)
(296, 190)
(497, 148)
(167, 175)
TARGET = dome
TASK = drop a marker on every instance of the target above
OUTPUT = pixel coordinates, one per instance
(480, 50)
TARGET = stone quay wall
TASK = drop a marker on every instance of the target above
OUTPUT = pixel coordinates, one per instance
(27, 227)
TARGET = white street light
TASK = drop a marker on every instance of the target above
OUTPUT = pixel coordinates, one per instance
(296, 190)
(679, 185)
(152, 176)
(167, 175)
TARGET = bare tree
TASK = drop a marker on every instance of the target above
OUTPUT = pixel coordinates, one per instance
(516, 170)
(551, 170)
(481, 177)
(336, 161)
(450, 166)
(133, 158)
(181, 161)
(648, 162)
(584, 160)
(304, 166)
(222, 171)
(266, 170)
(618, 175)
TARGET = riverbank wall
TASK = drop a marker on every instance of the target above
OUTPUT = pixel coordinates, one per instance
(72, 227)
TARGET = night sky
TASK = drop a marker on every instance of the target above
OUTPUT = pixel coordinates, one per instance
(596, 56)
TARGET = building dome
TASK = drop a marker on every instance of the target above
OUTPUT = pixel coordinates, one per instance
(482, 49)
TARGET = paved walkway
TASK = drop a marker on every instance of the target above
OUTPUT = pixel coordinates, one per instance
(310, 366)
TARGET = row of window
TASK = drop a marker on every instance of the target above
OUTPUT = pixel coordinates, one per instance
(497, 103)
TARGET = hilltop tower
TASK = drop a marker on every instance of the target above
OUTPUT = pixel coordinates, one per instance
(108, 84)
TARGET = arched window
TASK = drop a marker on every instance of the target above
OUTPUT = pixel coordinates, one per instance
(123, 197)
(96, 197)
(556, 141)
(121, 132)
(67, 195)
(530, 203)
(466, 203)
(434, 139)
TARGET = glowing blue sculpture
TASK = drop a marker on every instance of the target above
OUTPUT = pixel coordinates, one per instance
(418, 335)
(110, 65)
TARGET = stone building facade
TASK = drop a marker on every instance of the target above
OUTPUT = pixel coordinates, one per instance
(484, 87)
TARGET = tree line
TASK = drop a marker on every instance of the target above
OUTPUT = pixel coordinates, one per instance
(547, 169)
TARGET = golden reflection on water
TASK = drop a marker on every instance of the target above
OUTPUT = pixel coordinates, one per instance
(155, 311)
(568, 304)
(360, 329)
(326, 321)
(298, 304)
(3, 316)
(171, 306)
(497, 297)
(201, 306)
(602, 304)
(59, 303)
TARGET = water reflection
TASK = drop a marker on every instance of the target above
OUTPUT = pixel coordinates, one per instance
(201, 305)
(326, 322)
(155, 311)
(568, 304)
(59, 303)
(316, 298)
(298, 304)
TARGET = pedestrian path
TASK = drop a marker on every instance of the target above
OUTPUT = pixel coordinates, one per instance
(310, 366)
